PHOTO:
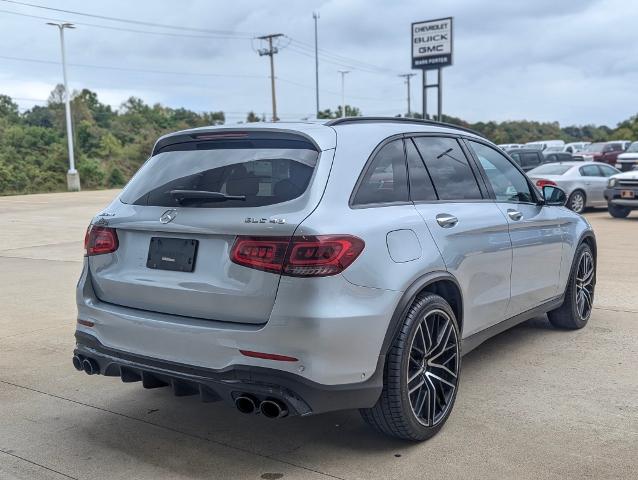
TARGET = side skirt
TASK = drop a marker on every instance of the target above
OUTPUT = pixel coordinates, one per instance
(474, 340)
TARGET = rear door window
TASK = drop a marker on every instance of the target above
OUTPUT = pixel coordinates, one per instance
(590, 171)
(448, 167)
(261, 172)
(385, 180)
(421, 188)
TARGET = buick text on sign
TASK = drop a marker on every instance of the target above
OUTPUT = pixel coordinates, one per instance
(432, 43)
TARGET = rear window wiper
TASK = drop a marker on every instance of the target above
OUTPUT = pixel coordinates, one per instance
(203, 195)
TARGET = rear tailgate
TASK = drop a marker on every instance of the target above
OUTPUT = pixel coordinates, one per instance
(282, 178)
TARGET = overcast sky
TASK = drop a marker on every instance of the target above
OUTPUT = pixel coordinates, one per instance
(572, 61)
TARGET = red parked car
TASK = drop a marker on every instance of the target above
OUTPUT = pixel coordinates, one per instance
(606, 152)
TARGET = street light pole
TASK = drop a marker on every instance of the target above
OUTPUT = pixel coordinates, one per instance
(343, 92)
(315, 15)
(72, 176)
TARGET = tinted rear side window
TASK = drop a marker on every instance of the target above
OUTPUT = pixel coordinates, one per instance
(448, 167)
(265, 174)
(385, 180)
(421, 188)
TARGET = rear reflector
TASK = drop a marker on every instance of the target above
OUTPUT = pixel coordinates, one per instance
(86, 323)
(540, 183)
(100, 240)
(268, 356)
(302, 256)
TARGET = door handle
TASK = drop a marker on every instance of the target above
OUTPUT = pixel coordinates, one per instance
(514, 214)
(446, 220)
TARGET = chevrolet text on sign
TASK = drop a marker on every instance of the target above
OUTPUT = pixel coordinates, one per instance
(432, 44)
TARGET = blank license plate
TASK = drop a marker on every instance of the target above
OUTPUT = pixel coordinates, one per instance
(627, 194)
(176, 254)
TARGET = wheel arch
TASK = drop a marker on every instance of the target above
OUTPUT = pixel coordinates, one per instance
(441, 283)
(589, 238)
(580, 190)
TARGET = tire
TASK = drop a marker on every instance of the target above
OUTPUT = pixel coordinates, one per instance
(576, 309)
(577, 201)
(618, 211)
(428, 318)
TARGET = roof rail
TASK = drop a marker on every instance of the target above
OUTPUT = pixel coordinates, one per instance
(418, 121)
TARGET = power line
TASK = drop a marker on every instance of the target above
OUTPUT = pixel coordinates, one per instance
(351, 62)
(138, 70)
(194, 74)
(123, 29)
(298, 46)
(135, 22)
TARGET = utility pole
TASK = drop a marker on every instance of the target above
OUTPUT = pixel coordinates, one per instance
(72, 176)
(271, 51)
(343, 92)
(407, 77)
(315, 16)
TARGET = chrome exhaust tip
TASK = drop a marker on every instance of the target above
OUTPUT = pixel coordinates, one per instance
(246, 404)
(272, 408)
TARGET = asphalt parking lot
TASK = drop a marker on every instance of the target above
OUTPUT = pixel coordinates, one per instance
(534, 402)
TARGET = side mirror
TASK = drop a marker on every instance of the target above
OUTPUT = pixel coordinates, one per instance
(554, 196)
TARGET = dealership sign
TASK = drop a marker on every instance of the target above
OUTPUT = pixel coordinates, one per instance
(432, 44)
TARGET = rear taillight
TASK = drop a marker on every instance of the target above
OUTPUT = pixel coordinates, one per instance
(302, 256)
(542, 182)
(100, 240)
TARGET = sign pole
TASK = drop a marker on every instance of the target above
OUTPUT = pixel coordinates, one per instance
(439, 90)
(432, 50)
(425, 95)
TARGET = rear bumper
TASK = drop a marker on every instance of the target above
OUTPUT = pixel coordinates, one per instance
(301, 396)
(334, 328)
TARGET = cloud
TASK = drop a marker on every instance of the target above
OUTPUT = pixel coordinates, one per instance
(572, 61)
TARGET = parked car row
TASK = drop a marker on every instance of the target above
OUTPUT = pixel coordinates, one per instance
(621, 154)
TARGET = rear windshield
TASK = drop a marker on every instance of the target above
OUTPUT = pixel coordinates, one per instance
(551, 169)
(595, 147)
(261, 173)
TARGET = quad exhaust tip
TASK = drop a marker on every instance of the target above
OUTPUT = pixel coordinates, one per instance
(269, 408)
(273, 409)
(77, 363)
(246, 404)
(87, 365)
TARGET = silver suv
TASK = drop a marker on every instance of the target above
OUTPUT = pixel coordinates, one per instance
(299, 268)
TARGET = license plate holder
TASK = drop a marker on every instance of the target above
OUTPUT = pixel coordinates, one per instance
(627, 194)
(175, 254)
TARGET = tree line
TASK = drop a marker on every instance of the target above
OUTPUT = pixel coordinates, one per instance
(111, 145)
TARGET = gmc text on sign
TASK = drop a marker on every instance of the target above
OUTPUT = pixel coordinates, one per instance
(432, 44)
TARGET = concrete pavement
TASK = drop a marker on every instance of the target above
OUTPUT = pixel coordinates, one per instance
(534, 402)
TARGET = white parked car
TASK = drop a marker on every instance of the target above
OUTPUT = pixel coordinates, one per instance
(510, 146)
(544, 144)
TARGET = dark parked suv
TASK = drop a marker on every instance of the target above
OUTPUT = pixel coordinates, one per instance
(527, 158)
